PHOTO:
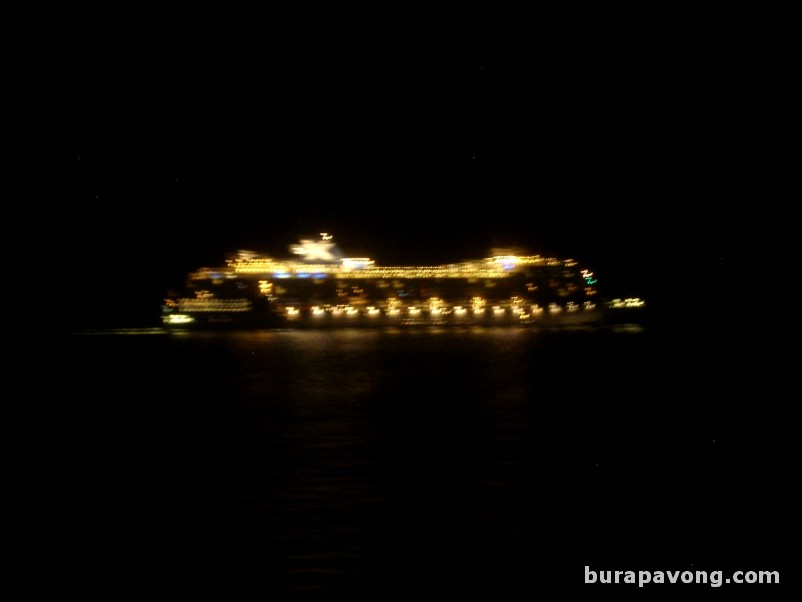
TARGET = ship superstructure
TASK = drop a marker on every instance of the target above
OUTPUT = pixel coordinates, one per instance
(321, 286)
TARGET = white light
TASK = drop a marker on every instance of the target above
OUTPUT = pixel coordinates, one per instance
(314, 249)
(178, 319)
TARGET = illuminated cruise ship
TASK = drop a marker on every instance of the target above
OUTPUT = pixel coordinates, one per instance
(322, 287)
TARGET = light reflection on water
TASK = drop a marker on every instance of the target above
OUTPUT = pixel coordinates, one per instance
(358, 457)
(347, 460)
(479, 460)
(348, 363)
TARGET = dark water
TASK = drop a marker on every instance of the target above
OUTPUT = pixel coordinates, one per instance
(496, 462)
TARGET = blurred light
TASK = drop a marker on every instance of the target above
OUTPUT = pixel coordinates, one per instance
(629, 302)
(361, 281)
(178, 319)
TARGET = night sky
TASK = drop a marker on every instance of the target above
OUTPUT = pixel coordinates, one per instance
(637, 142)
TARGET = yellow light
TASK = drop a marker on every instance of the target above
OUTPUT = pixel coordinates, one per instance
(178, 319)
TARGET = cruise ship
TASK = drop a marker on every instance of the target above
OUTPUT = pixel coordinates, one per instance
(320, 286)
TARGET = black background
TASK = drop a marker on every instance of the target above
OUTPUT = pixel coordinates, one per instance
(649, 144)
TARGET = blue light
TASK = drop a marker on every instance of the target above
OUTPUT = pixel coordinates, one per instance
(280, 275)
(302, 275)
